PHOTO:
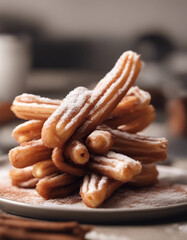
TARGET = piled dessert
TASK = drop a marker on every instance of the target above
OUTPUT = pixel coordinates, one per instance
(89, 140)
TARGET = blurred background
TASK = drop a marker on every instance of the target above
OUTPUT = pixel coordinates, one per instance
(49, 47)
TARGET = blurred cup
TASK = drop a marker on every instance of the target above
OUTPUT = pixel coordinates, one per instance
(15, 62)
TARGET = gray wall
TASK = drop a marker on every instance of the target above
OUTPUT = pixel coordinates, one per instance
(97, 18)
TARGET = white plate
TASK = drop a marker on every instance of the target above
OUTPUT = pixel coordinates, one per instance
(177, 205)
(93, 216)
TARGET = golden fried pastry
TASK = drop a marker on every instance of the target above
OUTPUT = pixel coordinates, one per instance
(29, 153)
(133, 113)
(65, 166)
(23, 178)
(110, 91)
(28, 131)
(44, 168)
(57, 185)
(134, 121)
(115, 166)
(29, 107)
(60, 126)
(99, 142)
(135, 99)
(147, 177)
(140, 123)
(76, 152)
(57, 143)
(96, 189)
(143, 148)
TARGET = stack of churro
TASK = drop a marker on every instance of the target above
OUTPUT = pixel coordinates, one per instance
(89, 140)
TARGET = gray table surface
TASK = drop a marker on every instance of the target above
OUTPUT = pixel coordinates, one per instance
(171, 231)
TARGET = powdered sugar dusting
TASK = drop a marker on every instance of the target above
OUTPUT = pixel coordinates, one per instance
(115, 161)
(102, 93)
(30, 98)
(103, 181)
(74, 120)
(85, 184)
(126, 160)
(73, 104)
(73, 101)
(134, 137)
(143, 96)
(33, 143)
(163, 194)
(34, 105)
(96, 183)
(93, 181)
(26, 124)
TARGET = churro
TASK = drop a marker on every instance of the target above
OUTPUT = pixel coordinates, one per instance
(110, 91)
(96, 189)
(76, 152)
(143, 148)
(23, 178)
(90, 134)
(60, 126)
(147, 177)
(29, 107)
(115, 166)
(64, 166)
(29, 153)
(44, 168)
(57, 185)
(135, 99)
(28, 131)
(33, 107)
(134, 121)
(99, 142)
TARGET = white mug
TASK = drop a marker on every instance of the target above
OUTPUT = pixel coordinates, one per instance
(14, 65)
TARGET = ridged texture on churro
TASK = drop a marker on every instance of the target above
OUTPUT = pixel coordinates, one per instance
(55, 186)
(135, 99)
(28, 131)
(143, 148)
(44, 168)
(134, 121)
(23, 178)
(115, 166)
(67, 118)
(29, 106)
(147, 177)
(110, 90)
(133, 113)
(29, 153)
(96, 189)
(64, 166)
(90, 134)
